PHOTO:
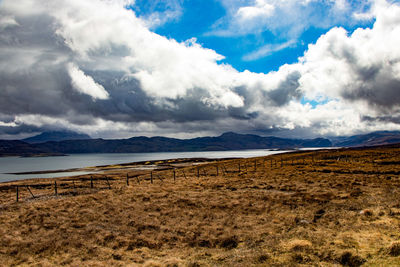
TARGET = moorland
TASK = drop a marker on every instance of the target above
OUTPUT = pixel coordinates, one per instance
(321, 208)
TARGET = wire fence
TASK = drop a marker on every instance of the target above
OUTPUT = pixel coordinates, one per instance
(168, 173)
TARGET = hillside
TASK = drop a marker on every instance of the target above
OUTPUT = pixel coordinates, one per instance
(19, 148)
(56, 136)
(322, 208)
(370, 139)
(227, 141)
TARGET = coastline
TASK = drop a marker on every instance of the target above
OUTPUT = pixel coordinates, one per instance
(112, 168)
(148, 164)
(25, 168)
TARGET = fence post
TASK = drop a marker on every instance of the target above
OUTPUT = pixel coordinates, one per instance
(255, 165)
(217, 169)
(17, 193)
(239, 166)
(55, 188)
(198, 172)
(109, 186)
(151, 177)
(91, 181)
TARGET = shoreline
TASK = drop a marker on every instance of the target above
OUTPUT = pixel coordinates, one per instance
(149, 165)
(113, 168)
(132, 162)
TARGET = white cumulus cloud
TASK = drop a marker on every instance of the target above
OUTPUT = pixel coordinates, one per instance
(85, 84)
(261, 9)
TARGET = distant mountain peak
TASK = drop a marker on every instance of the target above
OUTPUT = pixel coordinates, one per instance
(56, 136)
(229, 134)
(233, 134)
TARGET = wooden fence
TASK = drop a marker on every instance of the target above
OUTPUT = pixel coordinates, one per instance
(225, 168)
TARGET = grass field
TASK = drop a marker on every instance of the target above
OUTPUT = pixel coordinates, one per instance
(325, 208)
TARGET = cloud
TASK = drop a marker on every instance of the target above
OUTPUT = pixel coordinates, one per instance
(63, 55)
(7, 21)
(94, 66)
(267, 50)
(85, 84)
(156, 13)
(261, 9)
(288, 19)
(361, 67)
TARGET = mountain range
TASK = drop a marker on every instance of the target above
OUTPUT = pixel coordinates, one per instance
(58, 143)
(56, 136)
(370, 139)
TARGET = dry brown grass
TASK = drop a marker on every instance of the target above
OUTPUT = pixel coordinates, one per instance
(330, 211)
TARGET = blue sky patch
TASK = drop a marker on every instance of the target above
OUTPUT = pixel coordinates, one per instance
(261, 49)
(314, 103)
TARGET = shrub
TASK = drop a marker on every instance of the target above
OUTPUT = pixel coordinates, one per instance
(348, 259)
(229, 242)
(394, 249)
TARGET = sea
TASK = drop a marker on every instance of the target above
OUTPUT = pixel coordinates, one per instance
(11, 165)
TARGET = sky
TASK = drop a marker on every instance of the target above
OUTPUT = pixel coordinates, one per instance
(188, 68)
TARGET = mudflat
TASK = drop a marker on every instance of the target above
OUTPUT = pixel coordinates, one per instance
(327, 208)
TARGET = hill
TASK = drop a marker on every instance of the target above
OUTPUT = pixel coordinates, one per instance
(18, 148)
(56, 136)
(370, 139)
(227, 141)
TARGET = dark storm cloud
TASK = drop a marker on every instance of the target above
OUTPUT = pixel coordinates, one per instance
(379, 89)
(35, 80)
(19, 129)
(45, 86)
(394, 118)
(286, 90)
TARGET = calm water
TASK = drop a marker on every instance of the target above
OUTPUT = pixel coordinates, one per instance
(16, 164)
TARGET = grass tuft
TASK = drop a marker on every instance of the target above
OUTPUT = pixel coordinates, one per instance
(299, 245)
